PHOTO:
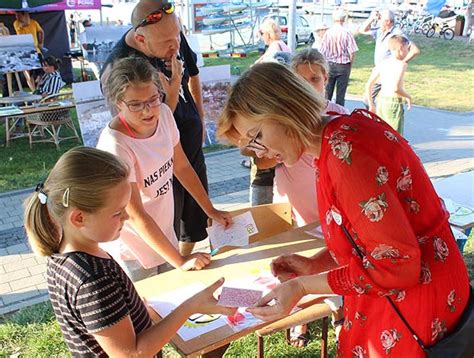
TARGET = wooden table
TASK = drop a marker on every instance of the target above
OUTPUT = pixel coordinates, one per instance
(12, 119)
(22, 99)
(232, 264)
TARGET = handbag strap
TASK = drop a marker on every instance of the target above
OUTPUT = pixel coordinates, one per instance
(390, 301)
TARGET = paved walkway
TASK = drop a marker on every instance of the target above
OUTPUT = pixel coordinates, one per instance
(443, 140)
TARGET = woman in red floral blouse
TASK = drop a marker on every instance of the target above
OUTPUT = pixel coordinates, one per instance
(371, 183)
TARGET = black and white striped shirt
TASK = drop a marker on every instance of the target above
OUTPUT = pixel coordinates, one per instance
(50, 83)
(89, 294)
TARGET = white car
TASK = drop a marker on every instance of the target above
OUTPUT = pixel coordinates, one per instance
(303, 31)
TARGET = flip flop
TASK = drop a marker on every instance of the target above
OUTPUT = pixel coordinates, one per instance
(245, 163)
(297, 337)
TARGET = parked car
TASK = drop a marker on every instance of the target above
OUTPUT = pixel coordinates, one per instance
(303, 31)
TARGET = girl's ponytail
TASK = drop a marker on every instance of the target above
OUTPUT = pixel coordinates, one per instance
(43, 233)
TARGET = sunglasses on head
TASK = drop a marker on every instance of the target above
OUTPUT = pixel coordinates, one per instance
(157, 15)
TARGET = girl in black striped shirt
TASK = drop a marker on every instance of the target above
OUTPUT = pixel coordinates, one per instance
(98, 309)
(51, 81)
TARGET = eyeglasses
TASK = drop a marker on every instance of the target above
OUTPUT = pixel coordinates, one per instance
(140, 106)
(156, 16)
(256, 146)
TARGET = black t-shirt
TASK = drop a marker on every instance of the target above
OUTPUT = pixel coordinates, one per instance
(186, 114)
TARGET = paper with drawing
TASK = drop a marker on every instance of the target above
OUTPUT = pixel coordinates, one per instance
(195, 325)
(237, 235)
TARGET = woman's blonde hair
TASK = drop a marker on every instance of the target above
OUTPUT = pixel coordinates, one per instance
(271, 92)
(272, 28)
(128, 70)
(81, 178)
(310, 56)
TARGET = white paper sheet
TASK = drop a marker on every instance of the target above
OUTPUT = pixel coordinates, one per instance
(459, 214)
(197, 324)
(237, 235)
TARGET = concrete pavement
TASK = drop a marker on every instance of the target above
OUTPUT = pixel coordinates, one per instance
(443, 140)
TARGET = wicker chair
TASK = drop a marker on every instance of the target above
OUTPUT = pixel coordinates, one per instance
(51, 122)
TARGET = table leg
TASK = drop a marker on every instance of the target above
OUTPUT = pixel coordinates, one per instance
(324, 338)
(7, 131)
(260, 348)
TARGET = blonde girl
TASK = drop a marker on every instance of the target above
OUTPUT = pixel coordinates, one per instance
(83, 203)
(145, 136)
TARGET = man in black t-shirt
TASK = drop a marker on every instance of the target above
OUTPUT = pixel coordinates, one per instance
(163, 44)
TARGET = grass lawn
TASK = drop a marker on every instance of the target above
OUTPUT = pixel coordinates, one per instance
(441, 76)
(34, 332)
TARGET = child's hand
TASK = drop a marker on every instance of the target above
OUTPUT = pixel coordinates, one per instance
(222, 217)
(408, 103)
(205, 302)
(196, 261)
(372, 108)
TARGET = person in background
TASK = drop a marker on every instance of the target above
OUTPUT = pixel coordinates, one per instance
(339, 48)
(270, 33)
(386, 230)
(386, 29)
(51, 81)
(26, 25)
(72, 30)
(390, 73)
(4, 30)
(262, 171)
(156, 36)
(80, 205)
(319, 32)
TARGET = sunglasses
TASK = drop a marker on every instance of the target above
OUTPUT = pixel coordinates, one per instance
(157, 15)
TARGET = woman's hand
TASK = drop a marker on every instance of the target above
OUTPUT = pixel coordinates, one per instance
(290, 266)
(222, 217)
(284, 297)
(196, 261)
(205, 302)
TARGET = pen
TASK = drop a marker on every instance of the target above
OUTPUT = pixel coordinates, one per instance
(215, 251)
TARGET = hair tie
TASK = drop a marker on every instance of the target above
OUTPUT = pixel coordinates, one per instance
(43, 198)
(66, 198)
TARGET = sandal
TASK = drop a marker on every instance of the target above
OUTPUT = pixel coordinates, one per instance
(299, 336)
(245, 163)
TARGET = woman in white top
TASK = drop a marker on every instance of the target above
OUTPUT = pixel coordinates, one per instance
(270, 32)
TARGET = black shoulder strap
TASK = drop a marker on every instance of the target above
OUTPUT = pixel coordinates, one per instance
(361, 255)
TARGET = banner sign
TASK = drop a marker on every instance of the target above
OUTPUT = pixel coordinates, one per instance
(66, 5)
